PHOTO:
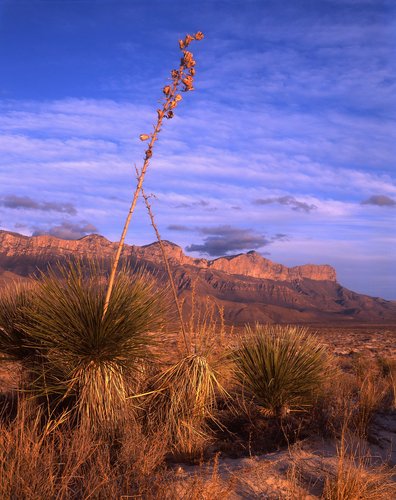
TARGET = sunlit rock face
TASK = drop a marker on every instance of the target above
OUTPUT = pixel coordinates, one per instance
(247, 264)
(249, 287)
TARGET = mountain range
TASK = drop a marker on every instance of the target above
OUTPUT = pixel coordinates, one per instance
(247, 286)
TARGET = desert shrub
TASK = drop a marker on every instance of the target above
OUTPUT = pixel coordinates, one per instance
(387, 368)
(370, 396)
(186, 392)
(369, 388)
(184, 398)
(350, 401)
(335, 404)
(14, 299)
(282, 367)
(89, 360)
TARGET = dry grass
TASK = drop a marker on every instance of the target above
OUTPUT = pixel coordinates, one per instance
(370, 396)
(52, 460)
(356, 478)
(353, 398)
(46, 458)
(206, 484)
(387, 368)
(184, 399)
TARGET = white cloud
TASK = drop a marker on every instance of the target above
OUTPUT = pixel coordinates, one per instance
(83, 152)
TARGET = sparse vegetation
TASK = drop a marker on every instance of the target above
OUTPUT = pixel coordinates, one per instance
(14, 299)
(49, 455)
(184, 398)
(356, 477)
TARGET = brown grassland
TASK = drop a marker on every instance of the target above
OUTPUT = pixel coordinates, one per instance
(184, 432)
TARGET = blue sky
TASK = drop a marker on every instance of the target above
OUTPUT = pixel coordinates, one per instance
(287, 146)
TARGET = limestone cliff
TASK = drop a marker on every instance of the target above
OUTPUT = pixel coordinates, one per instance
(248, 287)
(249, 264)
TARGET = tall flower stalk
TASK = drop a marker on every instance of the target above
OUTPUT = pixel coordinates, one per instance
(168, 270)
(182, 80)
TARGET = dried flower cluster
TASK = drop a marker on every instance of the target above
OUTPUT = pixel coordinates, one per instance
(184, 78)
(184, 75)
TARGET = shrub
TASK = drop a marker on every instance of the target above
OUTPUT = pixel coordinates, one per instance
(14, 298)
(184, 397)
(86, 358)
(282, 367)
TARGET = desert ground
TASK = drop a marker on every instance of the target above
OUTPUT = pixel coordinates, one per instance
(343, 448)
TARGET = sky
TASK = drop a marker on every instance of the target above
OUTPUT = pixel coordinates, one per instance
(287, 145)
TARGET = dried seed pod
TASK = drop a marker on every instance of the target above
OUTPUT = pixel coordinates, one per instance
(188, 57)
(187, 40)
(149, 153)
(178, 97)
(173, 104)
(188, 81)
(199, 35)
(166, 90)
(144, 137)
(188, 85)
(174, 73)
(170, 115)
(188, 61)
(192, 71)
(181, 44)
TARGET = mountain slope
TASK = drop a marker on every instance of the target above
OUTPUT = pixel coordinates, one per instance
(248, 286)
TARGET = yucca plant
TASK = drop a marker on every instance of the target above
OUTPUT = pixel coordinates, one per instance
(87, 359)
(281, 367)
(14, 299)
(184, 398)
(185, 394)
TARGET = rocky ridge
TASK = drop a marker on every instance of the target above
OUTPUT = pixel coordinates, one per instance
(247, 264)
(248, 287)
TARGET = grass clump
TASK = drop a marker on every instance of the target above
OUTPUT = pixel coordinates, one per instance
(185, 397)
(185, 393)
(282, 367)
(355, 482)
(355, 476)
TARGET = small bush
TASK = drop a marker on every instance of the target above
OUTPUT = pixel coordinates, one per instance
(282, 367)
(371, 394)
(184, 397)
(14, 299)
(88, 360)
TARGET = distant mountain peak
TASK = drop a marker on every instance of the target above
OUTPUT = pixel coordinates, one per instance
(250, 287)
(166, 242)
(94, 237)
(247, 264)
